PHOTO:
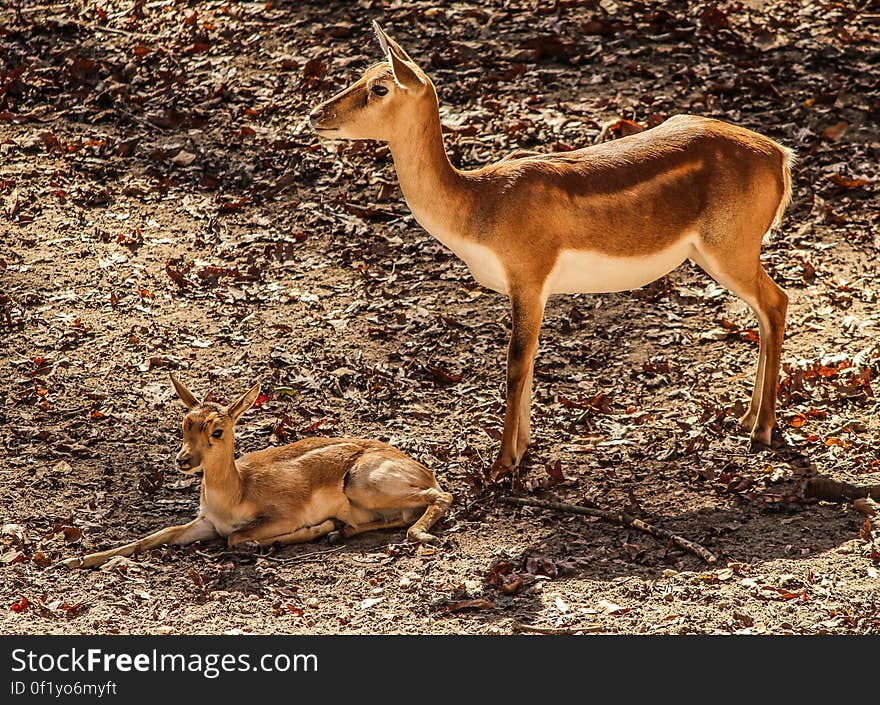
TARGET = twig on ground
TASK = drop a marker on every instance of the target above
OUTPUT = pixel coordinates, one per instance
(520, 627)
(304, 557)
(125, 33)
(618, 517)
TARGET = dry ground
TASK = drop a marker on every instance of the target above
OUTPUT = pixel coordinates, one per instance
(165, 207)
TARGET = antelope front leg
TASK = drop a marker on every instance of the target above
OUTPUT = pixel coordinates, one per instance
(196, 530)
(527, 311)
(773, 305)
(524, 429)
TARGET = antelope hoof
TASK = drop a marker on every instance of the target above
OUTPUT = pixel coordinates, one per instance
(71, 563)
(747, 422)
(249, 546)
(421, 537)
(335, 537)
(500, 470)
(504, 466)
(761, 438)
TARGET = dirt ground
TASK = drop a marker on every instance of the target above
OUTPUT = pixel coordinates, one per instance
(165, 206)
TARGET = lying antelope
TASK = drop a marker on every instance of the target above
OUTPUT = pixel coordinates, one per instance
(292, 493)
(609, 217)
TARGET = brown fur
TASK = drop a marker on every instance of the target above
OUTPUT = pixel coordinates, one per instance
(635, 197)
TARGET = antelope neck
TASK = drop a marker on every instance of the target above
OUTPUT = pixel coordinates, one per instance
(224, 479)
(436, 192)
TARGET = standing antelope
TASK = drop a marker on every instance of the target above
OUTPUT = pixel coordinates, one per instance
(292, 493)
(610, 217)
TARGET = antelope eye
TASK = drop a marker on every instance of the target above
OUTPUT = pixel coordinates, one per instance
(379, 89)
(217, 434)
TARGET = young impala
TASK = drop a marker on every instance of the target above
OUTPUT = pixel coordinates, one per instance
(291, 493)
(609, 217)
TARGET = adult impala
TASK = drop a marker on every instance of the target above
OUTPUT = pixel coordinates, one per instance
(609, 217)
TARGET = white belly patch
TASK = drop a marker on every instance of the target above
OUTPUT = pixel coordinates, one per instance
(575, 271)
(585, 271)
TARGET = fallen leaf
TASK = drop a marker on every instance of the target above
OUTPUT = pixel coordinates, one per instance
(623, 128)
(122, 564)
(183, 158)
(555, 472)
(62, 467)
(511, 584)
(865, 532)
(835, 132)
(443, 375)
(41, 559)
(607, 607)
(13, 555)
(798, 420)
(71, 534)
(476, 604)
(848, 183)
(16, 531)
(541, 565)
(234, 204)
(866, 506)
(314, 69)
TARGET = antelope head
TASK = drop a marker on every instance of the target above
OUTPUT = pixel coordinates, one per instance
(208, 437)
(387, 100)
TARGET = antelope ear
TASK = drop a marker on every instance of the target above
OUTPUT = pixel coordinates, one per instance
(405, 74)
(186, 396)
(381, 37)
(244, 402)
(405, 71)
(388, 44)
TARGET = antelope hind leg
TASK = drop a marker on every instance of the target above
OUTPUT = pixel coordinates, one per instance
(282, 533)
(768, 301)
(439, 502)
(772, 309)
(381, 486)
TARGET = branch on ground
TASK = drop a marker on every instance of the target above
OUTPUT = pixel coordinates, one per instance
(828, 490)
(621, 518)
